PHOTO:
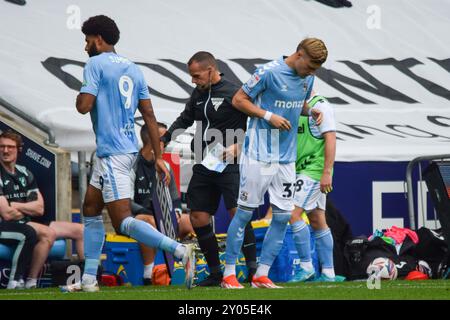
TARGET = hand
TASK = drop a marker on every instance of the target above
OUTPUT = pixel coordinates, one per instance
(162, 170)
(230, 153)
(326, 183)
(178, 213)
(14, 214)
(279, 122)
(317, 116)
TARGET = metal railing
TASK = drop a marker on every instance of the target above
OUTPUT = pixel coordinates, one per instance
(51, 141)
(409, 184)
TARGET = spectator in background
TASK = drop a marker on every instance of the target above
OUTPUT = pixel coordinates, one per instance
(142, 206)
(184, 223)
(22, 200)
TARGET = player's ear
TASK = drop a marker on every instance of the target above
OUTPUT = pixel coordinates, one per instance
(210, 70)
(98, 41)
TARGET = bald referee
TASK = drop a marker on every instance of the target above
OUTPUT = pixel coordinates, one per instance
(220, 127)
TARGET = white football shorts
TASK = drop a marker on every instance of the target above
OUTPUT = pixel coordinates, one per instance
(113, 176)
(257, 177)
(308, 195)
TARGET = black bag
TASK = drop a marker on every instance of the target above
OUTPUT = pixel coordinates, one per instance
(354, 252)
(406, 261)
(360, 252)
(341, 232)
(431, 248)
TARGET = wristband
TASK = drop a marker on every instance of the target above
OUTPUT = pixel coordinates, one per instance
(267, 115)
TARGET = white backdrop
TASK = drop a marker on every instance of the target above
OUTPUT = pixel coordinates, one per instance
(388, 70)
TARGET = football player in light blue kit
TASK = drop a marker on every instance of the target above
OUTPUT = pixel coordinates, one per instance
(113, 88)
(274, 97)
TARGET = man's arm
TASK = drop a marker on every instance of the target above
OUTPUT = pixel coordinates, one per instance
(8, 213)
(308, 111)
(89, 89)
(146, 109)
(85, 102)
(184, 121)
(330, 154)
(33, 208)
(243, 103)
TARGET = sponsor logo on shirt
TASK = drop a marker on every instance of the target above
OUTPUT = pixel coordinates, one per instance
(253, 81)
(217, 102)
(128, 129)
(143, 191)
(268, 66)
(288, 104)
(23, 181)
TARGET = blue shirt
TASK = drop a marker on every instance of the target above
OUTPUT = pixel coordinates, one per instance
(277, 88)
(118, 85)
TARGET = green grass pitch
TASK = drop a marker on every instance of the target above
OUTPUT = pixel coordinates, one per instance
(357, 290)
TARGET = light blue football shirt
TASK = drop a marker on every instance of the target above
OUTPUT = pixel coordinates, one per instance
(277, 88)
(118, 85)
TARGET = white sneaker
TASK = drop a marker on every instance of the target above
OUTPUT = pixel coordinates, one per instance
(189, 265)
(13, 284)
(90, 287)
(31, 284)
(78, 287)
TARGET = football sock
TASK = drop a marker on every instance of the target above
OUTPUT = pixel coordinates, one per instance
(329, 272)
(229, 270)
(273, 241)
(208, 244)
(236, 232)
(324, 248)
(301, 236)
(94, 236)
(263, 270)
(249, 247)
(145, 233)
(148, 269)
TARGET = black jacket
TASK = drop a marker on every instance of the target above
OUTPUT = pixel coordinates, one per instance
(220, 115)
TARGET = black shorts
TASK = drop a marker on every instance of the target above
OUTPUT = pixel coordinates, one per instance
(206, 187)
(137, 209)
(7, 227)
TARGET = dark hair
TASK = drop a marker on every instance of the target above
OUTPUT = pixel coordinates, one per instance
(144, 132)
(10, 134)
(204, 58)
(102, 26)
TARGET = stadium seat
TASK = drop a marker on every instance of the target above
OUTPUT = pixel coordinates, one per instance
(56, 253)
